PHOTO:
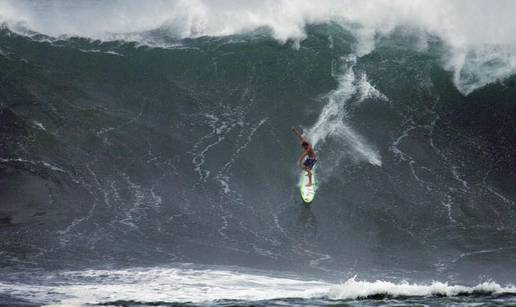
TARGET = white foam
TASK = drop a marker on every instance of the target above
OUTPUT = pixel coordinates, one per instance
(187, 284)
(39, 125)
(164, 284)
(353, 288)
(33, 162)
(366, 90)
(484, 64)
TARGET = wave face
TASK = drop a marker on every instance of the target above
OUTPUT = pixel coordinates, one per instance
(146, 145)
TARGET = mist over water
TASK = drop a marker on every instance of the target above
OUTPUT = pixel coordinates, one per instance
(147, 145)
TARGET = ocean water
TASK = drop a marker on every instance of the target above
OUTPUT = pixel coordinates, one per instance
(146, 156)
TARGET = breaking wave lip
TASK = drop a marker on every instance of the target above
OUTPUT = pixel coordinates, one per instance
(355, 289)
(478, 33)
(188, 284)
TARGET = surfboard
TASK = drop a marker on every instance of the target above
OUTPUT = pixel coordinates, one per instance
(307, 193)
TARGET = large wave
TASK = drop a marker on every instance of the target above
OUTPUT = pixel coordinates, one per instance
(162, 134)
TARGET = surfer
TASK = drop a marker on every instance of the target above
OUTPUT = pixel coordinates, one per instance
(308, 156)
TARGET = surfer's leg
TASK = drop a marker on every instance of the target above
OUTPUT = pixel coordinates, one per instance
(309, 171)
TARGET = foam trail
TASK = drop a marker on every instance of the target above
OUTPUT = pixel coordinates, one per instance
(332, 121)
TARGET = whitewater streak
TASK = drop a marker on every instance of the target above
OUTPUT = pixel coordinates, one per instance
(185, 284)
(332, 120)
(479, 33)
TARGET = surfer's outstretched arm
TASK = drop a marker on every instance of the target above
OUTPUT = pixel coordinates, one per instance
(299, 135)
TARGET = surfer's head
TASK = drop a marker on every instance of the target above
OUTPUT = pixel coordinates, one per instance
(305, 145)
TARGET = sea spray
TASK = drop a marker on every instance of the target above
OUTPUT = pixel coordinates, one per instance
(333, 121)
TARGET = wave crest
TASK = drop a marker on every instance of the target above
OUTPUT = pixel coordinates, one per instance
(354, 289)
(478, 33)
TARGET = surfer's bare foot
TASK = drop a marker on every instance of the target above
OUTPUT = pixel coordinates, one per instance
(308, 185)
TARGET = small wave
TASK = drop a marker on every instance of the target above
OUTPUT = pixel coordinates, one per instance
(356, 289)
(190, 284)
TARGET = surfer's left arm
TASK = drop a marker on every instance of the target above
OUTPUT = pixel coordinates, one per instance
(299, 135)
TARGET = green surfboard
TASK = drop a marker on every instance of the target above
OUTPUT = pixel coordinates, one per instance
(307, 193)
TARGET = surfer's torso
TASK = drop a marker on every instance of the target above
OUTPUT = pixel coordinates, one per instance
(310, 152)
